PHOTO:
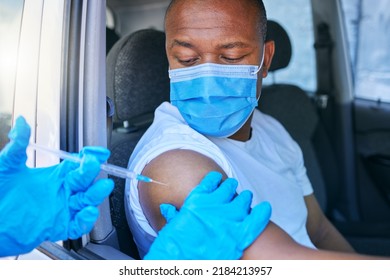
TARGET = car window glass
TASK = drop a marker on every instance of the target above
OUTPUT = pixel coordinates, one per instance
(368, 32)
(296, 19)
(10, 24)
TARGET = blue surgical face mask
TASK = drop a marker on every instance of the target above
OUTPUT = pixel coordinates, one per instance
(215, 99)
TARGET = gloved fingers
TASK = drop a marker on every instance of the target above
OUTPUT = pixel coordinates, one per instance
(101, 154)
(66, 166)
(168, 211)
(208, 184)
(225, 192)
(81, 178)
(93, 196)
(14, 153)
(239, 208)
(83, 222)
(254, 224)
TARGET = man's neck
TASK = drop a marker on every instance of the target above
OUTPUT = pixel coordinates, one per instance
(244, 133)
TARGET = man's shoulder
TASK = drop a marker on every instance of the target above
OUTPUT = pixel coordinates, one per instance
(168, 125)
(271, 131)
(169, 131)
(268, 124)
(166, 113)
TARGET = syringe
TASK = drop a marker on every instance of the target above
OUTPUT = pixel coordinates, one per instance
(106, 167)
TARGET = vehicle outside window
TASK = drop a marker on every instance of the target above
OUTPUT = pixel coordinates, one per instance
(369, 39)
(31, 51)
(10, 25)
(52, 69)
(296, 19)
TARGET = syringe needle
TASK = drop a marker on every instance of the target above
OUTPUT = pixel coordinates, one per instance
(106, 167)
(160, 183)
(149, 180)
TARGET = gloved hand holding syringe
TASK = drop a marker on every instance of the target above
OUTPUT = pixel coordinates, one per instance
(108, 168)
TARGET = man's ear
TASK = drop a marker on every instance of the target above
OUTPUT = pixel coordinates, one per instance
(269, 51)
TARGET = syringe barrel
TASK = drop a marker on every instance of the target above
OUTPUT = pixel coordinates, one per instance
(117, 171)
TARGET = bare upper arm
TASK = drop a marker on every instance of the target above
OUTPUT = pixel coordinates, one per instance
(321, 231)
(182, 170)
(314, 219)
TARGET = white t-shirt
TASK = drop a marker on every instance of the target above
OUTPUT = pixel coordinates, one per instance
(270, 164)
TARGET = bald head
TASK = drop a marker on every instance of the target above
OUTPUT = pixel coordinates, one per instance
(215, 31)
(256, 6)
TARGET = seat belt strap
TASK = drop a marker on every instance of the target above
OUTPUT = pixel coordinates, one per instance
(110, 111)
(324, 48)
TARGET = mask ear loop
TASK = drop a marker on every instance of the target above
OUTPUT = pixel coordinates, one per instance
(261, 64)
(258, 70)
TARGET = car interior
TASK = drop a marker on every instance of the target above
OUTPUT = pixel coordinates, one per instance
(345, 139)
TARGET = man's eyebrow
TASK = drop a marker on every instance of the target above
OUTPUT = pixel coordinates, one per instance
(233, 45)
(182, 44)
(230, 45)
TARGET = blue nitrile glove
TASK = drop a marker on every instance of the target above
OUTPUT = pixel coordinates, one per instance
(46, 204)
(212, 224)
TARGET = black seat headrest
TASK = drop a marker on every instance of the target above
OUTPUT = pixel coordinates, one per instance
(111, 38)
(137, 74)
(283, 49)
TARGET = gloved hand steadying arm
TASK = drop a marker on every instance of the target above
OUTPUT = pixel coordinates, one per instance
(212, 224)
(46, 204)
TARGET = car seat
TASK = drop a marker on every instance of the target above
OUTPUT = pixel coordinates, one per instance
(111, 38)
(137, 83)
(298, 113)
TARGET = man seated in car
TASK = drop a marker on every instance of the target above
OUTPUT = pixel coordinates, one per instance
(218, 57)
